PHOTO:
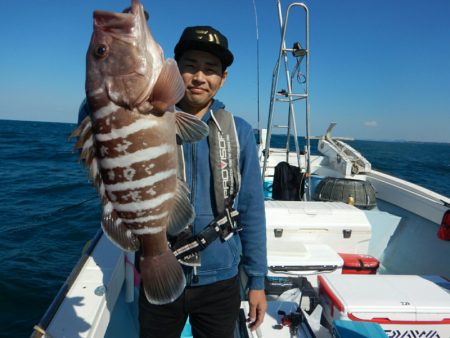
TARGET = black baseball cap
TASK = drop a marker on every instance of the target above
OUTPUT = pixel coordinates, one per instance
(206, 39)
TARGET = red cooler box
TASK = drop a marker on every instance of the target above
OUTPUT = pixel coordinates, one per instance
(359, 264)
(404, 305)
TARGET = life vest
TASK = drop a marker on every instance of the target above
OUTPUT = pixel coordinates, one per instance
(224, 160)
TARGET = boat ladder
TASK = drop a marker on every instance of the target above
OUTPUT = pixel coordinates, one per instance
(290, 95)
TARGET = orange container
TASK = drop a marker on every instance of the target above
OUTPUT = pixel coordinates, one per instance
(359, 264)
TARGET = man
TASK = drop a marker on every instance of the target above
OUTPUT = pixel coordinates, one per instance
(212, 295)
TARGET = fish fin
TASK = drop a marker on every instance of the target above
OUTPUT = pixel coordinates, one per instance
(78, 129)
(83, 132)
(84, 138)
(182, 213)
(162, 278)
(82, 128)
(114, 228)
(94, 174)
(87, 152)
(85, 141)
(190, 128)
(169, 87)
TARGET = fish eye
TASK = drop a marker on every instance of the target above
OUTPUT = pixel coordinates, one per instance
(101, 51)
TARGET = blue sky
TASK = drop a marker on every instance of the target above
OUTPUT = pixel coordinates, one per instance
(380, 69)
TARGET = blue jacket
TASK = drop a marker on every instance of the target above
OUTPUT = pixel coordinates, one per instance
(220, 260)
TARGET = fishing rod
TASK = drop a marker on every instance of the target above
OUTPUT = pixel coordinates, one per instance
(45, 216)
(257, 64)
(67, 207)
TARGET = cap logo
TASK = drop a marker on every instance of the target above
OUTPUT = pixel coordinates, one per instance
(206, 35)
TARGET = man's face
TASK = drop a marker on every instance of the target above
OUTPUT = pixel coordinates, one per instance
(203, 76)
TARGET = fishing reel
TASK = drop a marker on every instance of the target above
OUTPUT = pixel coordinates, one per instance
(292, 320)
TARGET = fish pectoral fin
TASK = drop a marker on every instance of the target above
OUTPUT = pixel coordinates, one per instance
(114, 228)
(182, 213)
(162, 278)
(190, 128)
(169, 87)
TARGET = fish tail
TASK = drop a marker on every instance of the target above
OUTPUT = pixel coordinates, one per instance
(162, 277)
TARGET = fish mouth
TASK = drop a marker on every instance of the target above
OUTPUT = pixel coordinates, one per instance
(136, 7)
(119, 24)
(114, 23)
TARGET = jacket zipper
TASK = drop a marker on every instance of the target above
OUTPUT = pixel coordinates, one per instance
(193, 278)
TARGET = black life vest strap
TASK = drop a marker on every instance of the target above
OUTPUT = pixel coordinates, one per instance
(223, 227)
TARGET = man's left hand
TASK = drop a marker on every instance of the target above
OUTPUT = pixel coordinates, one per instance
(258, 307)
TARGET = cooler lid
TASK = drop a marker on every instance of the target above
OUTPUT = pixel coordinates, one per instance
(392, 297)
(313, 215)
(302, 257)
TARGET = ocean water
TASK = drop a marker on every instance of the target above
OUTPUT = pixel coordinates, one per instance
(49, 210)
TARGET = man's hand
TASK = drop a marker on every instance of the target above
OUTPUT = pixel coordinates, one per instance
(258, 307)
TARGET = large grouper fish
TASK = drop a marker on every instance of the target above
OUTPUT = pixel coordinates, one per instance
(129, 141)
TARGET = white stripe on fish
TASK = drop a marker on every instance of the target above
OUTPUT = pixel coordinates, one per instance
(144, 205)
(148, 230)
(147, 218)
(108, 208)
(138, 156)
(96, 92)
(106, 110)
(144, 182)
(123, 132)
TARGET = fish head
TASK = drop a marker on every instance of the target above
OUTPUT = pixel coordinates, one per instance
(123, 60)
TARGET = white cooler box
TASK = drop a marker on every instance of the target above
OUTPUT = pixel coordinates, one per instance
(404, 305)
(292, 259)
(343, 227)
